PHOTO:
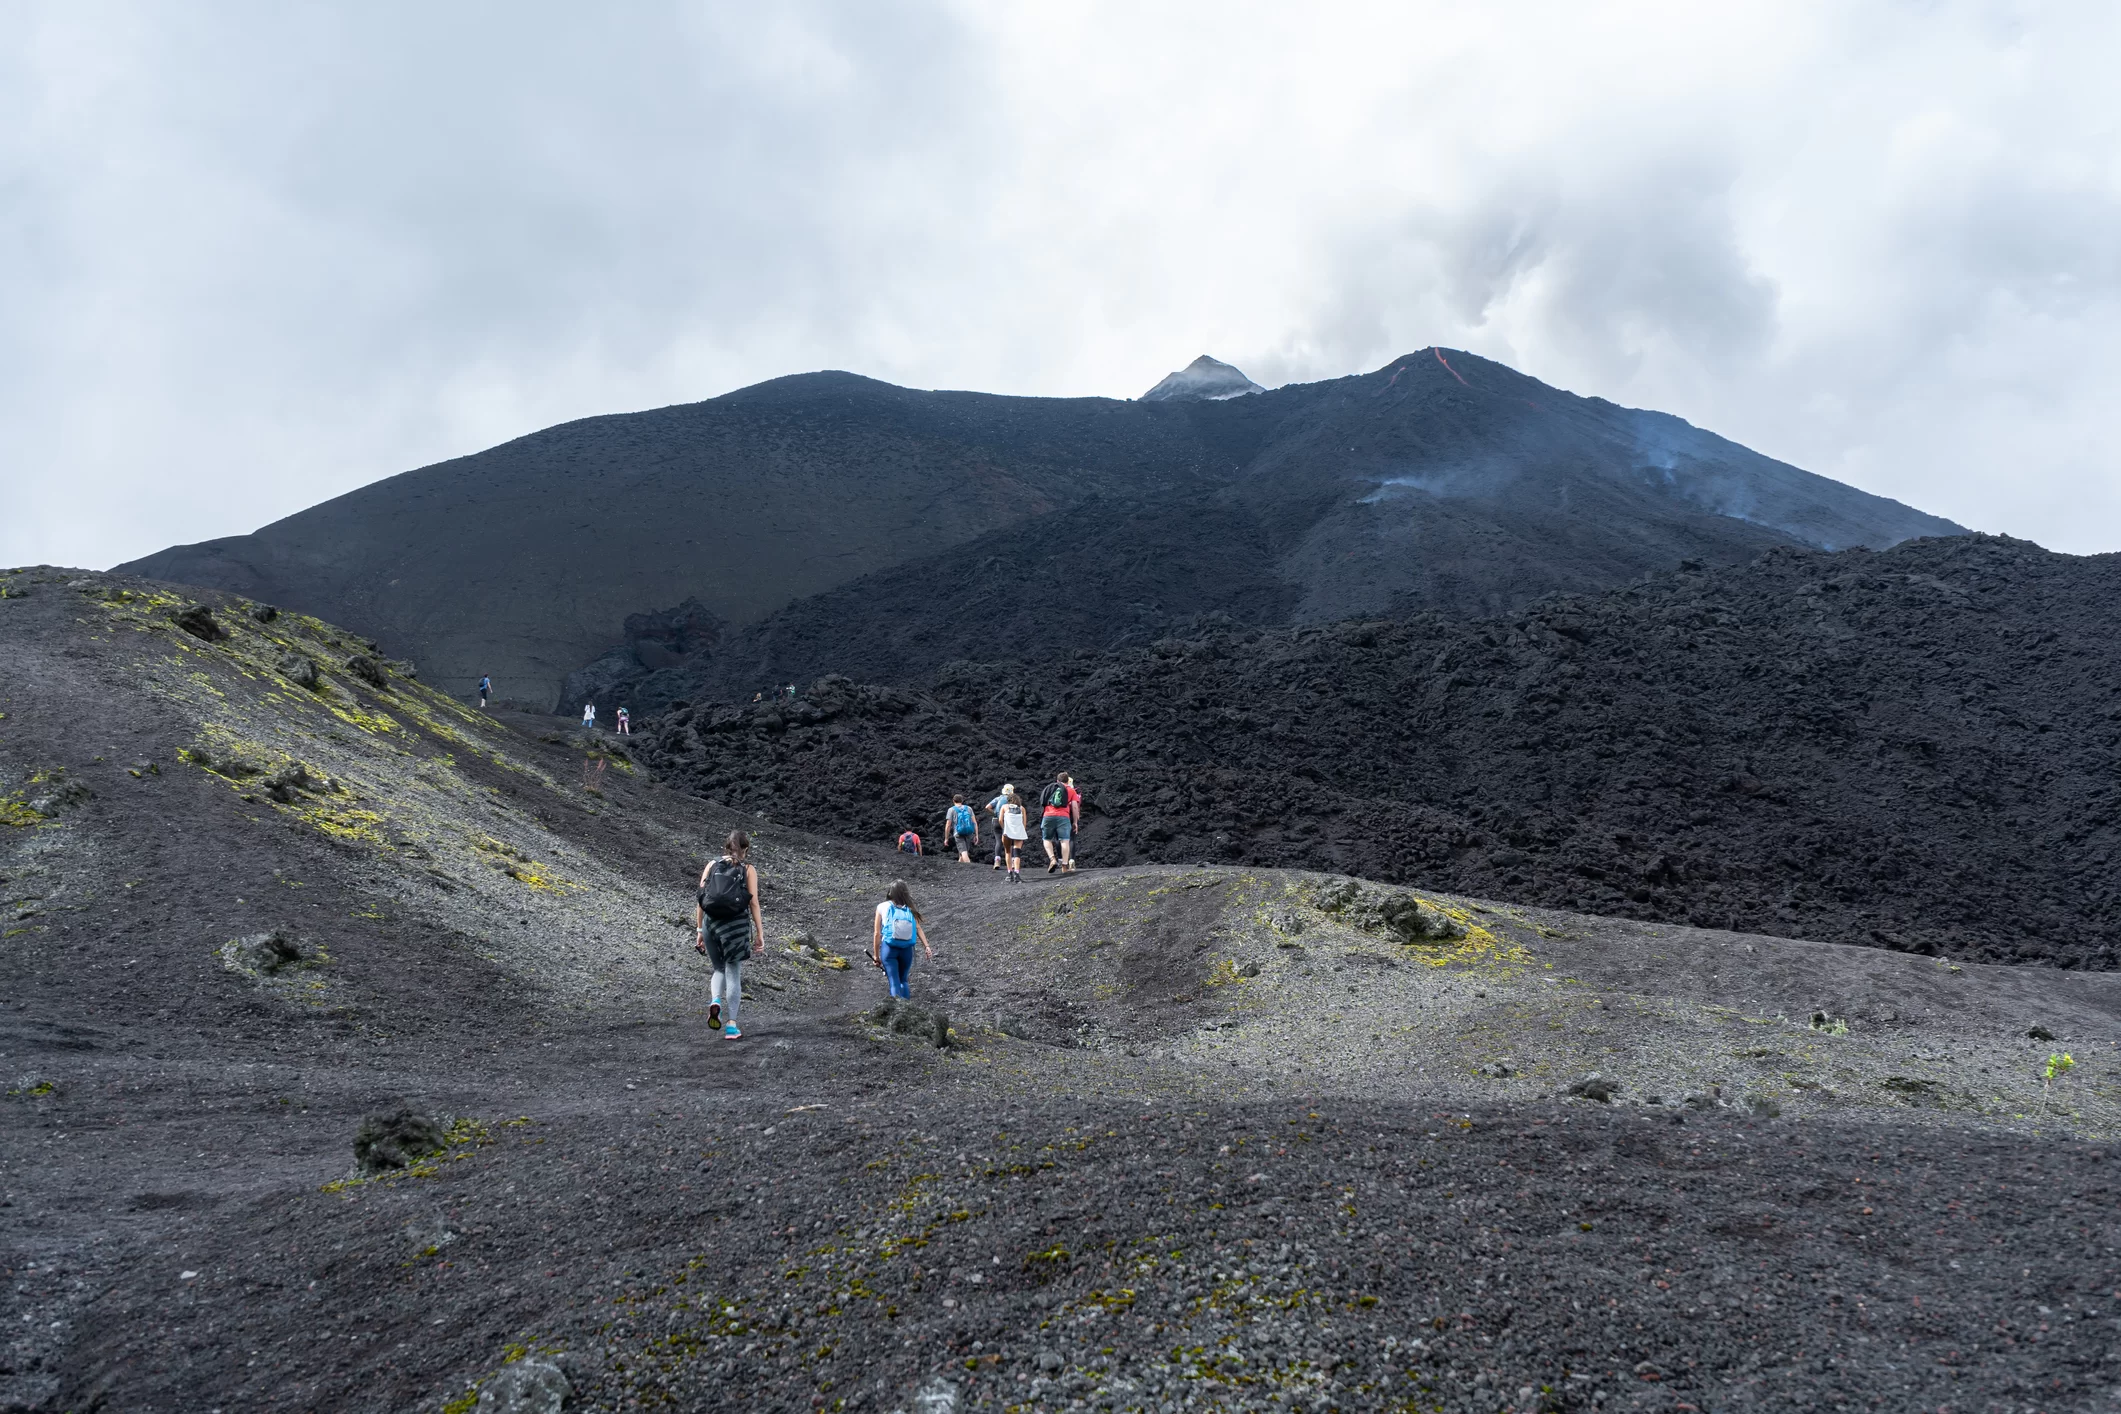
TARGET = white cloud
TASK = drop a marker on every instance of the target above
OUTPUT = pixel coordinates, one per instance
(253, 256)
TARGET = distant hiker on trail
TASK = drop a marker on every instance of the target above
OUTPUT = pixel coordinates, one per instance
(589, 716)
(758, 697)
(485, 687)
(994, 817)
(625, 729)
(1014, 833)
(964, 826)
(909, 843)
(727, 913)
(1057, 827)
(898, 926)
(791, 692)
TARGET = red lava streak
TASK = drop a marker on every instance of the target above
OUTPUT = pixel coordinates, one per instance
(1447, 367)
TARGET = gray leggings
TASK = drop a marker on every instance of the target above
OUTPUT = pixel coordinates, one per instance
(729, 988)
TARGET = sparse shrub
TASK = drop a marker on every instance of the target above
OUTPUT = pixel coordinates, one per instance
(909, 1020)
(368, 670)
(396, 1140)
(299, 669)
(1333, 897)
(199, 622)
(268, 952)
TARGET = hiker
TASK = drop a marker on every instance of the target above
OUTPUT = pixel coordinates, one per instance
(909, 843)
(589, 716)
(994, 818)
(898, 926)
(1013, 832)
(727, 913)
(485, 687)
(964, 825)
(791, 692)
(1057, 827)
(624, 728)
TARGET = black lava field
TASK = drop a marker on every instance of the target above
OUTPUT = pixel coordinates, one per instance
(1918, 749)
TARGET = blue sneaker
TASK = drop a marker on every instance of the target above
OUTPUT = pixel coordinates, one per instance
(730, 1033)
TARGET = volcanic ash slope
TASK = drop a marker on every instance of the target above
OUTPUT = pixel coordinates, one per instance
(1205, 1138)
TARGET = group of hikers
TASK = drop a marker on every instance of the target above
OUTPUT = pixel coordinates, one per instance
(624, 721)
(1060, 807)
(589, 719)
(729, 927)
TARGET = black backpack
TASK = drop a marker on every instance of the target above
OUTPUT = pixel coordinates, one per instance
(725, 895)
(1057, 795)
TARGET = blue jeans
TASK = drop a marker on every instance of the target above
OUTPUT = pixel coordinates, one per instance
(898, 967)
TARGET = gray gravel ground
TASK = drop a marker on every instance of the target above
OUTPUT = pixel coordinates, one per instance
(1197, 1142)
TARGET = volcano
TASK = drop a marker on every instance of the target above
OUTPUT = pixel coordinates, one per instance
(826, 518)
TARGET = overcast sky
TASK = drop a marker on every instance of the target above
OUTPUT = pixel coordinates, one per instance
(252, 256)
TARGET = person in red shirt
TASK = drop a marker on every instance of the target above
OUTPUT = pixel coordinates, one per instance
(1063, 812)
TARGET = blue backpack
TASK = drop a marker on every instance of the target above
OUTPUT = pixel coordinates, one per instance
(961, 819)
(900, 927)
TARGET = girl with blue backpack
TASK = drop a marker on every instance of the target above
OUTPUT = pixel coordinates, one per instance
(891, 941)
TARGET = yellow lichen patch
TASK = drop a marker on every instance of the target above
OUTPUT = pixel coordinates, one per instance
(339, 822)
(518, 865)
(14, 810)
(490, 845)
(351, 713)
(1478, 947)
(535, 875)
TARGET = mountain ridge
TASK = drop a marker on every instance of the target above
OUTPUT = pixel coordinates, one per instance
(1441, 480)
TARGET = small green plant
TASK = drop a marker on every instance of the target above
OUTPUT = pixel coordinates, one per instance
(2058, 1064)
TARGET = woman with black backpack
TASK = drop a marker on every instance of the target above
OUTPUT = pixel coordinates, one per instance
(727, 912)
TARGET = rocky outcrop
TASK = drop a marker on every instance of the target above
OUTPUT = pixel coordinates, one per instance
(672, 642)
(1393, 911)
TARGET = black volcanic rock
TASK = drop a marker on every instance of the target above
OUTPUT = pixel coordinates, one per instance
(1441, 481)
(656, 642)
(1917, 749)
(1203, 380)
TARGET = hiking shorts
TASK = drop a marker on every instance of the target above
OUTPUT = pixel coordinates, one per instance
(1057, 828)
(964, 843)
